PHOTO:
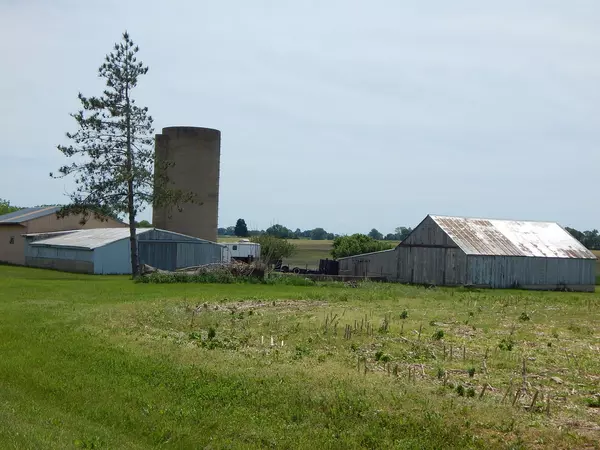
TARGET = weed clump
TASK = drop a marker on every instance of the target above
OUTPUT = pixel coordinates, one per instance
(471, 372)
(506, 344)
(438, 335)
(440, 373)
(404, 314)
(383, 357)
(524, 317)
(460, 390)
(212, 333)
(593, 402)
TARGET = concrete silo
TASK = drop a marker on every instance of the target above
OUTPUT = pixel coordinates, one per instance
(196, 154)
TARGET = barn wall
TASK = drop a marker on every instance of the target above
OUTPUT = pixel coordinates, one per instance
(113, 258)
(431, 265)
(52, 223)
(171, 251)
(428, 233)
(157, 248)
(12, 244)
(378, 264)
(531, 273)
(195, 254)
(59, 258)
(429, 256)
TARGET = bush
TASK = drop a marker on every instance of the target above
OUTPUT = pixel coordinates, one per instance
(273, 248)
(356, 244)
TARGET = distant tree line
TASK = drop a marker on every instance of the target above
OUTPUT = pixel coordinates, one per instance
(316, 234)
(590, 239)
(6, 207)
(241, 230)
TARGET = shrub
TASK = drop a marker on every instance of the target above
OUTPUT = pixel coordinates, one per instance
(460, 390)
(471, 372)
(438, 335)
(356, 244)
(273, 248)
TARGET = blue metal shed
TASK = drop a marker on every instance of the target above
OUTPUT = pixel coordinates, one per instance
(107, 250)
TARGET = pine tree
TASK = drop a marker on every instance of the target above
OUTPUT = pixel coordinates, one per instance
(114, 166)
(241, 229)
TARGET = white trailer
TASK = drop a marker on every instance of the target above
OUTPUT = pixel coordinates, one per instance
(243, 250)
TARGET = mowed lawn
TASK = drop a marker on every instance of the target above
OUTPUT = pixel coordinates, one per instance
(102, 362)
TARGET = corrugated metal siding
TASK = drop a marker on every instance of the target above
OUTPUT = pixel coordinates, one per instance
(547, 273)
(113, 258)
(176, 255)
(58, 253)
(162, 235)
(67, 259)
(195, 254)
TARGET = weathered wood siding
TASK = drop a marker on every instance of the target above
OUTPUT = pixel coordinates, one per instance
(531, 272)
(429, 256)
(431, 265)
(378, 264)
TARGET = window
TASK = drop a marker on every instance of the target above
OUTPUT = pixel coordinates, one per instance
(12, 240)
(235, 247)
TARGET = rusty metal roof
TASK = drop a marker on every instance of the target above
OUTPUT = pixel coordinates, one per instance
(512, 238)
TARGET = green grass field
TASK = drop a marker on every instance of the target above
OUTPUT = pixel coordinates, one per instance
(102, 362)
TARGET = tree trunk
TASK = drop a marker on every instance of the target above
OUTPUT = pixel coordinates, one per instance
(135, 269)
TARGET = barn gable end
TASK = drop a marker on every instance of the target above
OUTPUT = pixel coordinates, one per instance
(429, 256)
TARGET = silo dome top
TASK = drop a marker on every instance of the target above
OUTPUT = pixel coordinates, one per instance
(189, 130)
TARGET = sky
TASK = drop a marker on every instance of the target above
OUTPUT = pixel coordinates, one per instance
(345, 115)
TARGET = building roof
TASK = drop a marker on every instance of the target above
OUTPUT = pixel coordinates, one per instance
(85, 239)
(512, 238)
(99, 237)
(26, 214)
(367, 254)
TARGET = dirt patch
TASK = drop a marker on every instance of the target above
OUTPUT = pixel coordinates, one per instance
(247, 305)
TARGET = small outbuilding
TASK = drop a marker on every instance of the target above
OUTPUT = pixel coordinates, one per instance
(107, 250)
(458, 251)
(40, 220)
(369, 265)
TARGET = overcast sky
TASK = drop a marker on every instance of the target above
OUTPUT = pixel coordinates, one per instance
(343, 114)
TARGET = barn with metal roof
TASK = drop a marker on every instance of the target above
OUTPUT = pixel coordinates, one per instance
(107, 250)
(458, 251)
(39, 220)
